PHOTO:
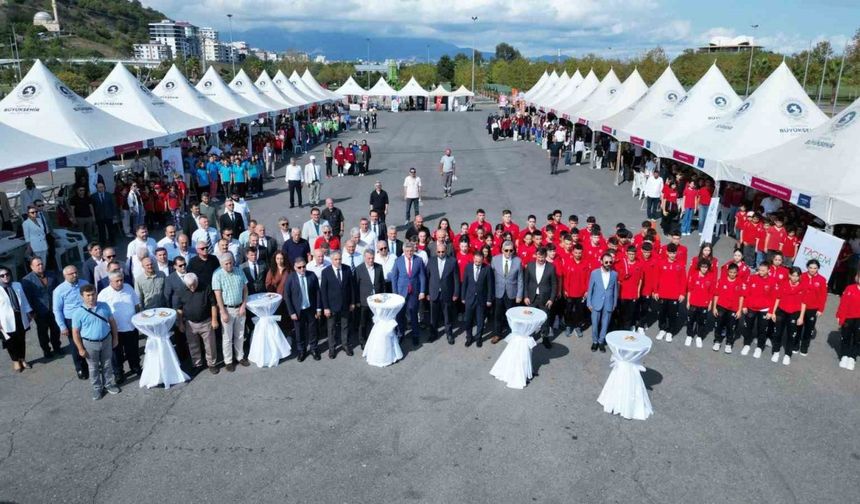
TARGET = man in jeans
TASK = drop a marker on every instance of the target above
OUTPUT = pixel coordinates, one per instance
(412, 192)
(95, 335)
(231, 292)
(653, 192)
(447, 166)
(553, 152)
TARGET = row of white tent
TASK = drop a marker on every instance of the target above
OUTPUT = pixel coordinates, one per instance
(45, 125)
(412, 88)
(777, 140)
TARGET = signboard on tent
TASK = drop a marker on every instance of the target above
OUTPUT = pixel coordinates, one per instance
(503, 100)
(171, 162)
(821, 246)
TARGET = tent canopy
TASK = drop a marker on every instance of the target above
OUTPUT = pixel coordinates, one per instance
(583, 91)
(302, 86)
(265, 84)
(537, 85)
(609, 87)
(412, 88)
(244, 87)
(351, 88)
(630, 92)
(312, 83)
(216, 90)
(381, 88)
(293, 93)
(440, 91)
(560, 98)
(548, 93)
(462, 91)
(665, 92)
(175, 89)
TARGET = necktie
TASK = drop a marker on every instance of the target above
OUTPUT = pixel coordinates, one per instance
(317, 227)
(337, 274)
(263, 242)
(208, 241)
(391, 248)
(102, 198)
(374, 229)
(316, 175)
(305, 299)
(13, 299)
(477, 272)
(507, 266)
(232, 219)
(352, 261)
(409, 274)
(255, 271)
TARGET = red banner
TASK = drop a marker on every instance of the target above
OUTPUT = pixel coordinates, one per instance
(683, 157)
(23, 171)
(771, 188)
(637, 141)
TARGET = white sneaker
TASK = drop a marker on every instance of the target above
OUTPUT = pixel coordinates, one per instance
(757, 353)
(698, 342)
(668, 337)
(850, 366)
(717, 347)
(786, 360)
(641, 331)
(660, 335)
(843, 362)
(728, 349)
(745, 350)
(804, 354)
(774, 357)
(688, 341)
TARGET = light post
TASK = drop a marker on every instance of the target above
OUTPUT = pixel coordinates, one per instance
(474, 22)
(368, 63)
(428, 54)
(232, 48)
(749, 69)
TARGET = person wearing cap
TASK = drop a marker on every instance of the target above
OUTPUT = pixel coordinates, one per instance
(412, 192)
(312, 180)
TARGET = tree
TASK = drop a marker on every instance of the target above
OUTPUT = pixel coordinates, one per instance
(425, 74)
(463, 75)
(445, 68)
(77, 83)
(506, 52)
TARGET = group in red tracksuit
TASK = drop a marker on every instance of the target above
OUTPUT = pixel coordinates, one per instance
(848, 317)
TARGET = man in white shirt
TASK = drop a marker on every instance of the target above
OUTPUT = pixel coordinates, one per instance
(183, 248)
(384, 258)
(312, 180)
(169, 241)
(579, 150)
(318, 262)
(162, 263)
(293, 178)
(351, 257)
(206, 233)
(447, 168)
(312, 229)
(412, 192)
(653, 193)
(771, 204)
(141, 239)
(269, 159)
(124, 303)
(366, 237)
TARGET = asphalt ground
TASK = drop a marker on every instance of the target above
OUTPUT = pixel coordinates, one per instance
(436, 427)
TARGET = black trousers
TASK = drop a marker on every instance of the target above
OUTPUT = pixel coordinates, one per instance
(106, 232)
(697, 321)
(474, 317)
(338, 330)
(444, 310)
(808, 331)
(667, 315)
(295, 187)
(850, 338)
(575, 312)
(626, 313)
(755, 325)
(645, 311)
(500, 320)
(80, 362)
(15, 345)
(725, 323)
(48, 332)
(365, 324)
(328, 161)
(128, 350)
(305, 329)
(786, 331)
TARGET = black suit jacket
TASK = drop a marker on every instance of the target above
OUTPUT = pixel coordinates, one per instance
(448, 285)
(104, 210)
(366, 286)
(398, 248)
(88, 270)
(258, 285)
(293, 293)
(189, 226)
(337, 296)
(237, 226)
(548, 287)
(172, 287)
(477, 292)
(265, 254)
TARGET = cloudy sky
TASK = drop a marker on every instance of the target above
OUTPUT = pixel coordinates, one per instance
(541, 27)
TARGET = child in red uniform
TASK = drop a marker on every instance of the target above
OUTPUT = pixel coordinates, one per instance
(650, 272)
(575, 285)
(706, 253)
(630, 282)
(526, 250)
(848, 317)
(758, 308)
(509, 225)
(789, 310)
(748, 239)
(737, 260)
(681, 254)
(775, 238)
(816, 300)
(790, 246)
(700, 293)
(728, 303)
(174, 205)
(669, 291)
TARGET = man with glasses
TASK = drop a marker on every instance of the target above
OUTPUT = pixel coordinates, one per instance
(444, 291)
(174, 283)
(409, 279)
(203, 265)
(508, 278)
(65, 300)
(123, 302)
(282, 235)
(35, 234)
(601, 298)
(231, 219)
(231, 293)
(312, 229)
(38, 285)
(206, 234)
(369, 280)
(302, 298)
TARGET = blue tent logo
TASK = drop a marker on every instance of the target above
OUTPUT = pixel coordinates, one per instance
(721, 101)
(845, 119)
(29, 91)
(671, 96)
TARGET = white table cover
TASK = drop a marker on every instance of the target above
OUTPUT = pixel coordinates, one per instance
(382, 347)
(514, 366)
(268, 344)
(624, 392)
(160, 364)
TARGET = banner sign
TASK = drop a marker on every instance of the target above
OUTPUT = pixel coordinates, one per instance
(711, 217)
(171, 162)
(821, 246)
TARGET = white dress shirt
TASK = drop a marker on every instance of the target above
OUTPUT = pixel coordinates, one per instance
(604, 275)
(539, 275)
(132, 247)
(318, 268)
(293, 173)
(122, 304)
(386, 262)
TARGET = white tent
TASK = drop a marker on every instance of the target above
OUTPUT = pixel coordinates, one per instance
(537, 85)
(462, 91)
(175, 89)
(609, 86)
(664, 93)
(440, 91)
(25, 155)
(293, 93)
(547, 94)
(778, 111)
(351, 88)
(302, 86)
(708, 100)
(631, 90)
(124, 97)
(550, 81)
(583, 91)
(312, 83)
(381, 88)
(244, 87)
(412, 88)
(265, 84)
(553, 103)
(216, 90)
(43, 107)
(817, 170)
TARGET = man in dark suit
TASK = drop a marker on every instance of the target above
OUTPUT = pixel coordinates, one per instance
(444, 284)
(105, 211)
(266, 245)
(189, 224)
(477, 294)
(368, 281)
(409, 279)
(337, 294)
(255, 272)
(231, 219)
(508, 280)
(38, 285)
(539, 288)
(302, 298)
(88, 268)
(395, 246)
(174, 284)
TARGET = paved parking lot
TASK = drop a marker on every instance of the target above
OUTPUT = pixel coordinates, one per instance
(436, 427)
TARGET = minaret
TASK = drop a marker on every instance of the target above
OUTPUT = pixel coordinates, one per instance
(56, 15)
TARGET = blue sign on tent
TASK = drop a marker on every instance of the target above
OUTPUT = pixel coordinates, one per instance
(700, 163)
(804, 200)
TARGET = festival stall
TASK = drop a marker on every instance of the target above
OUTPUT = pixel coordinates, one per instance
(315, 86)
(583, 91)
(546, 94)
(302, 86)
(243, 86)
(554, 102)
(267, 86)
(415, 95)
(525, 95)
(351, 88)
(176, 91)
(295, 94)
(216, 90)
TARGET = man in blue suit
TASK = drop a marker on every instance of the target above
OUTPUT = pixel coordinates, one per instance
(302, 297)
(601, 298)
(409, 279)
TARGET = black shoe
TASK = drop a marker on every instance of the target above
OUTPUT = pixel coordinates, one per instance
(602, 347)
(317, 355)
(82, 375)
(302, 356)
(450, 341)
(468, 342)
(349, 351)
(230, 367)
(479, 342)
(119, 379)
(332, 355)
(214, 369)
(47, 354)
(137, 371)
(547, 343)
(414, 341)
(594, 347)
(244, 363)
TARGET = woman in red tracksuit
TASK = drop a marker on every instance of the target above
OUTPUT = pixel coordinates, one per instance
(816, 301)
(758, 308)
(848, 316)
(650, 272)
(789, 309)
(670, 292)
(575, 286)
(630, 286)
(728, 306)
(339, 158)
(700, 294)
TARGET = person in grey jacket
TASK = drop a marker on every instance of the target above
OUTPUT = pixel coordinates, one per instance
(508, 276)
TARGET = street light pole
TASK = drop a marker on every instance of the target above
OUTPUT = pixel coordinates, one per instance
(368, 63)
(428, 54)
(474, 21)
(232, 47)
(749, 70)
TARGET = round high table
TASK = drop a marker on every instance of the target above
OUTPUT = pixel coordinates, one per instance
(268, 344)
(624, 392)
(160, 364)
(382, 347)
(514, 366)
